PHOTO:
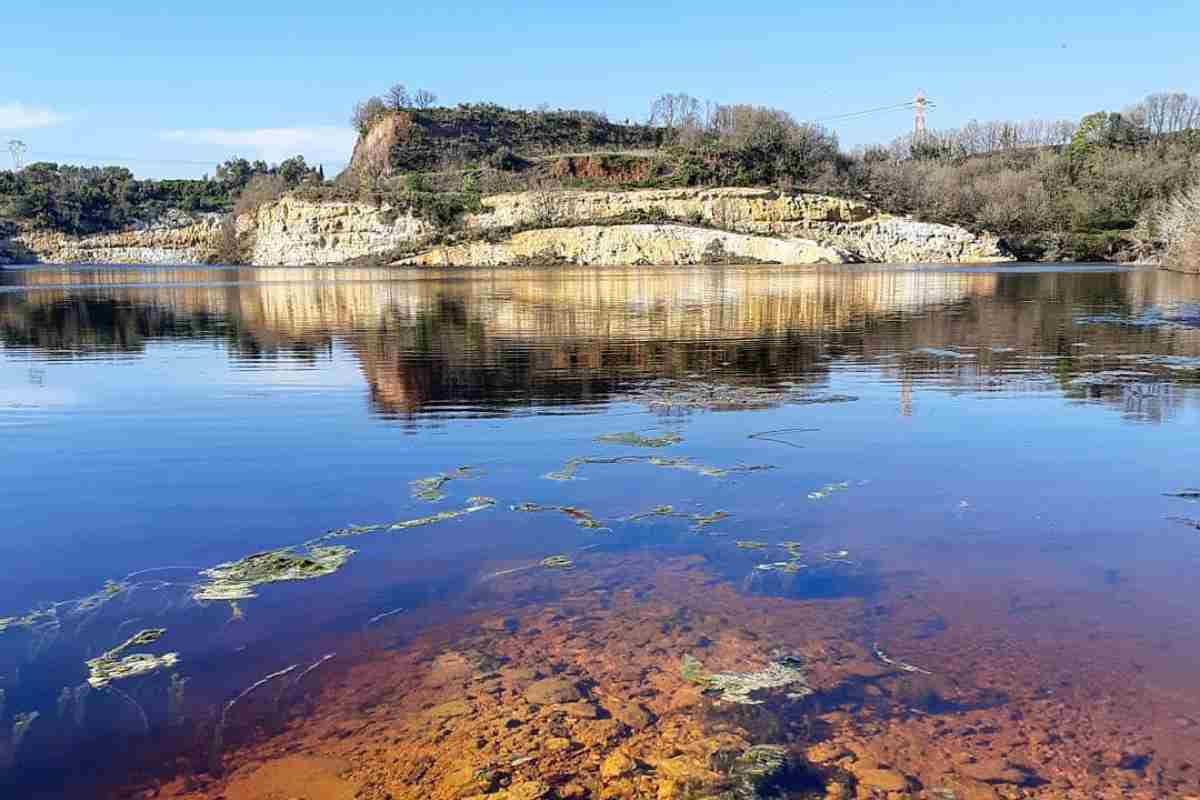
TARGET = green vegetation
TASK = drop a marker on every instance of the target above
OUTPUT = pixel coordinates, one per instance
(1053, 190)
(1115, 184)
(85, 200)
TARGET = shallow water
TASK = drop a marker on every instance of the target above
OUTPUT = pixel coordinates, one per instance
(973, 466)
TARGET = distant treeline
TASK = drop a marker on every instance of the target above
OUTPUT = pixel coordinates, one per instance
(84, 200)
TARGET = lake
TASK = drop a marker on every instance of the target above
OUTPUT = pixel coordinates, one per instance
(736, 532)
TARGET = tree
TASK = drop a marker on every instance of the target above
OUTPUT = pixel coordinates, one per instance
(424, 99)
(293, 170)
(676, 111)
(366, 113)
(17, 149)
(397, 97)
(1167, 113)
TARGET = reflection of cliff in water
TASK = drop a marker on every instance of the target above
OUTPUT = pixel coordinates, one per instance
(466, 337)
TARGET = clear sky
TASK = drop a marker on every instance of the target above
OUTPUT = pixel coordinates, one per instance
(170, 83)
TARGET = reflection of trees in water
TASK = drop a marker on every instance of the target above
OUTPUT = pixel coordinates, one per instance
(445, 355)
(512, 337)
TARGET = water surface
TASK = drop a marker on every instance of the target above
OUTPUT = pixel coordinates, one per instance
(971, 463)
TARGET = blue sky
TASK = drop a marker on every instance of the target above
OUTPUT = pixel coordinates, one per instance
(181, 86)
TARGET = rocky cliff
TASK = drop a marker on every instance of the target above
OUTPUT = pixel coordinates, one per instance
(176, 239)
(630, 245)
(653, 226)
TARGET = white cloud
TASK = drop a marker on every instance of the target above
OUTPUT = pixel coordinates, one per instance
(272, 144)
(18, 116)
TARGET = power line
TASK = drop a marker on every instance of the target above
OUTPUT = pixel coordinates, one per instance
(865, 112)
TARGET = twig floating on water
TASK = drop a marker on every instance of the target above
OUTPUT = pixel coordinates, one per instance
(768, 436)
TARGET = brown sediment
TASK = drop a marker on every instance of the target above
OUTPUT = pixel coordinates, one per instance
(583, 696)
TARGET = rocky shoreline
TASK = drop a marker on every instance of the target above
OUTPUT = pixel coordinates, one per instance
(652, 226)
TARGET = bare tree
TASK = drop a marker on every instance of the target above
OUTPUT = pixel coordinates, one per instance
(676, 111)
(397, 97)
(423, 98)
(366, 112)
(1167, 113)
(17, 149)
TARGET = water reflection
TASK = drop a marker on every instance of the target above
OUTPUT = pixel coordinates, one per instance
(471, 339)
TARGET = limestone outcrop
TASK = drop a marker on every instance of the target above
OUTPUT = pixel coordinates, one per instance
(648, 226)
(721, 208)
(176, 239)
(294, 232)
(630, 245)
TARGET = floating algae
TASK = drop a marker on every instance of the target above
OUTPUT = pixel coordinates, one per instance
(702, 469)
(698, 521)
(833, 488)
(569, 471)
(48, 617)
(747, 544)
(898, 664)
(111, 666)
(583, 519)
(787, 567)
(549, 562)
(633, 439)
(235, 580)
(474, 504)
(737, 687)
(430, 489)
(673, 396)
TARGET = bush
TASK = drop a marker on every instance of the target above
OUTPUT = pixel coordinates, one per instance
(261, 189)
(1179, 229)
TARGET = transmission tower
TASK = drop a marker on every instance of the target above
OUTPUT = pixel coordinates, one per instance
(17, 149)
(920, 104)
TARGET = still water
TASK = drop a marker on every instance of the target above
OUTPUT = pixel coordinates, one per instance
(958, 507)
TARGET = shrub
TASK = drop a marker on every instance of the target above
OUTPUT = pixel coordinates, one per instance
(1179, 229)
(261, 189)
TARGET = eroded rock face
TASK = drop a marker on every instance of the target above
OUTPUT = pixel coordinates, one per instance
(631, 245)
(294, 232)
(721, 207)
(651, 226)
(178, 239)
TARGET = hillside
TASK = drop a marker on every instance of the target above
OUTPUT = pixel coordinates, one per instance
(425, 140)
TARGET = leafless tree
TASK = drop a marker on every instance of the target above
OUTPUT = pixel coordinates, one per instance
(1167, 113)
(676, 111)
(366, 112)
(17, 149)
(423, 98)
(397, 97)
